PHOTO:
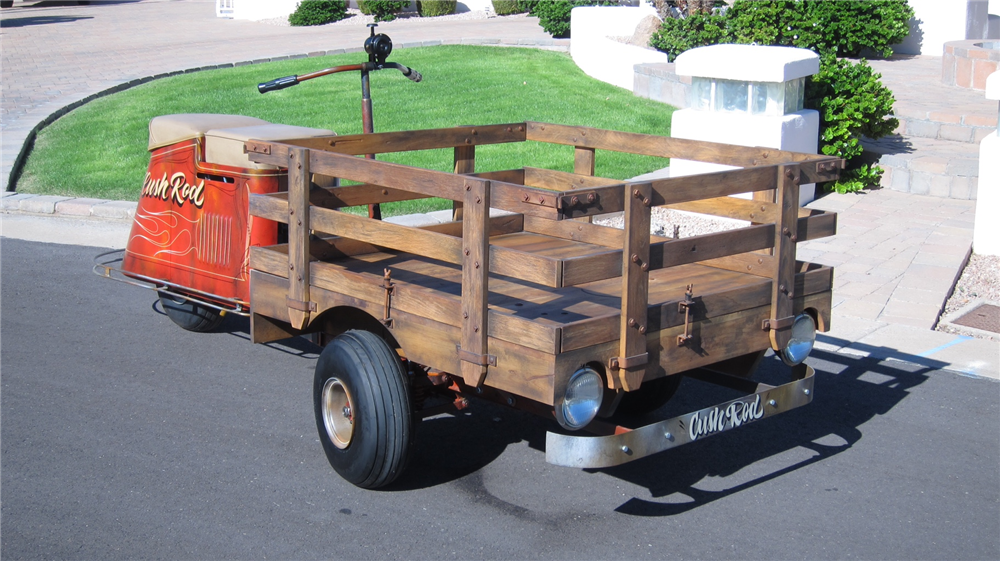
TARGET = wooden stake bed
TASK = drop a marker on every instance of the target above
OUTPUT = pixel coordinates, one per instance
(519, 302)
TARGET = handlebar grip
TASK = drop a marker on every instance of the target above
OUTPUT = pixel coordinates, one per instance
(414, 75)
(278, 84)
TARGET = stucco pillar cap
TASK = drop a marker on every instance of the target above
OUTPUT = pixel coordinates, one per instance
(748, 63)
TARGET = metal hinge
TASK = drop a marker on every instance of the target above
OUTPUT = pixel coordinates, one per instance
(300, 305)
(477, 359)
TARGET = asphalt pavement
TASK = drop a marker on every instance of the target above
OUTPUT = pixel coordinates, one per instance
(125, 437)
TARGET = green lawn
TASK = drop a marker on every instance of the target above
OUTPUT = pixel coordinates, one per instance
(99, 150)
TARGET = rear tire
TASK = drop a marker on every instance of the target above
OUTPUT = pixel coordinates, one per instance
(364, 412)
(649, 397)
(190, 315)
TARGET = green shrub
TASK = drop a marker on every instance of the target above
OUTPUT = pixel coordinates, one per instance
(318, 12)
(852, 104)
(697, 30)
(528, 5)
(432, 8)
(383, 10)
(850, 98)
(507, 7)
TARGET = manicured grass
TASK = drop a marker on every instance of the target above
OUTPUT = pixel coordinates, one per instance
(99, 150)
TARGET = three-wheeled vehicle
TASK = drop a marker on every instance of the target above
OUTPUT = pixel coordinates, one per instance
(521, 300)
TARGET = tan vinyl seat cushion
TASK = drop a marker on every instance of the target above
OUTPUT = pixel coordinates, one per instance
(224, 146)
(168, 129)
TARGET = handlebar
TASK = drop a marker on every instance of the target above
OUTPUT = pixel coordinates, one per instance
(289, 81)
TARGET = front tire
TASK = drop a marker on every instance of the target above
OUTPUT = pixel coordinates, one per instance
(190, 315)
(364, 412)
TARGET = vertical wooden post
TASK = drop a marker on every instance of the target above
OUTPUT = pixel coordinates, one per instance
(584, 163)
(633, 354)
(785, 237)
(298, 237)
(475, 282)
(465, 162)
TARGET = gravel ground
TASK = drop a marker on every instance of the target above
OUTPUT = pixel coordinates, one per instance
(356, 18)
(980, 280)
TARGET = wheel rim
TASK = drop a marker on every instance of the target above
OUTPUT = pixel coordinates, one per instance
(338, 413)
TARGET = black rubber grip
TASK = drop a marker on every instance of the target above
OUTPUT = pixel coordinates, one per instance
(278, 84)
(414, 75)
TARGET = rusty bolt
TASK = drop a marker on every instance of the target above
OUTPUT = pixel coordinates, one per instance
(477, 264)
(794, 238)
(468, 187)
(291, 212)
(637, 194)
(291, 267)
(479, 200)
(465, 315)
(575, 200)
(635, 258)
(541, 200)
(789, 174)
(476, 329)
(631, 322)
(467, 252)
(591, 198)
(385, 191)
(527, 197)
(642, 329)
(644, 266)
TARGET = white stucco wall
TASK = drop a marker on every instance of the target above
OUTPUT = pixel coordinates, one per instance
(797, 132)
(986, 233)
(935, 22)
(603, 58)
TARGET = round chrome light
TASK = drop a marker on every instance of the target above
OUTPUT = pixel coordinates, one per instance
(582, 400)
(801, 343)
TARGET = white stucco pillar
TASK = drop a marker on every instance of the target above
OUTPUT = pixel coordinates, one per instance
(986, 233)
(750, 96)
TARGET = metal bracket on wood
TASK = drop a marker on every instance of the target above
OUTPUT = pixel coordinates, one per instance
(389, 287)
(300, 305)
(777, 323)
(618, 362)
(685, 307)
(481, 360)
(577, 199)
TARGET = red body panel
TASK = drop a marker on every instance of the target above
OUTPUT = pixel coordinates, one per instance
(193, 229)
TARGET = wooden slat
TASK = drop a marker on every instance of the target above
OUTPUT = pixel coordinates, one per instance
(270, 207)
(385, 234)
(731, 207)
(710, 246)
(664, 147)
(757, 264)
(405, 141)
(635, 289)
(563, 181)
(298, 235)
(710, 185)
(475, 282)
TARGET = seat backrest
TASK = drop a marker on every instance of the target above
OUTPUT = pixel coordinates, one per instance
(169, 129)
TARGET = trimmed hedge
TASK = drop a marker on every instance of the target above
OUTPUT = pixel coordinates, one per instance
(383, 10)
(318, 12)
(507, 7)
(432, 8)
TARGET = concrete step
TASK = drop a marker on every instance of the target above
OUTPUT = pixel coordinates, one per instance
(926, 166)
(953, 127)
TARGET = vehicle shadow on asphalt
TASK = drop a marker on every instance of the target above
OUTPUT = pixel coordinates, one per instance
(850, 391)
